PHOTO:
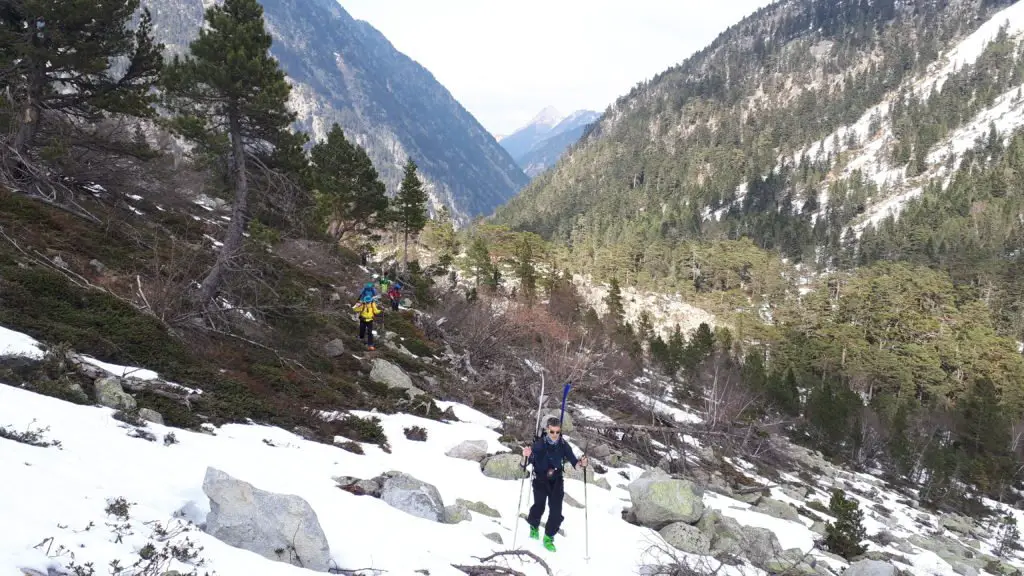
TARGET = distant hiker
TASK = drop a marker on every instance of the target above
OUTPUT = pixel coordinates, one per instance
(367, 310)
(395, 294)
(547, 455)
(384, 283)
(368, 292)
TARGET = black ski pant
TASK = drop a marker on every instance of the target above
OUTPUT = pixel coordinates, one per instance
(366, 331)
(394, 304)
(551, 491)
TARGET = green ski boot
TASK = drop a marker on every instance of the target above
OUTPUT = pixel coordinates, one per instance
(534, 533)
(549, 543)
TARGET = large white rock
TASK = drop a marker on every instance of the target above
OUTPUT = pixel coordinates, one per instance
(246, 517)
(504, 466)
(388, 374)
(412, 496)
(682, 536)
(474, 450)
(659, 500)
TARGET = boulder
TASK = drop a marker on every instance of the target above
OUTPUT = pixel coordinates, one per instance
(795, 492)
(723, 532)
(792, 562)
(759, 545)
(956, 523)
(964, 569)
(280, 527)
(659, 500)
(412, 496)
(151, 416)
(109, 393)
(474, 450)
(456, 513)
(566, 420)
(687, 538)
(334, 348)
(479, 508)
(358, 486)
(504, 466)
(819, 528)
(870, 568)
(392, 376)
(777, 509)
(599, 450)
(494, 537)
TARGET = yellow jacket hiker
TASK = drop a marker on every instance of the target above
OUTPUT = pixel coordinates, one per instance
(367, 310)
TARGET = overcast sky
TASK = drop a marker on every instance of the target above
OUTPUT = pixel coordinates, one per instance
(505, 60)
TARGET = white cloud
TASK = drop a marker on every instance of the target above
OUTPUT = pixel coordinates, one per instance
(505, 60)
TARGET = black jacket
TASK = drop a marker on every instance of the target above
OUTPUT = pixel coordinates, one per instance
(551, 456)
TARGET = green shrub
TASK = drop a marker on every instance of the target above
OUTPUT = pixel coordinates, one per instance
(416, 433)
(358, 429)
(844, 537)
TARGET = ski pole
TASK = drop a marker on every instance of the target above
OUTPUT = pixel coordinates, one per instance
(519, 506)
(586, 514)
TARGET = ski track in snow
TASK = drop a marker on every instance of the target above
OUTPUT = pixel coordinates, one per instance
(57, 492)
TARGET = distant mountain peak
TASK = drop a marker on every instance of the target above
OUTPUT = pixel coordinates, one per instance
(549, 116)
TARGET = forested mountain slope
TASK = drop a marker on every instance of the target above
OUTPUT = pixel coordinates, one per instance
(345, 71)
(802, 128)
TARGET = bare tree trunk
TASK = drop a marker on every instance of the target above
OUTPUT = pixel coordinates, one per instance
(28, 124)
(405, 255)
(233, 238)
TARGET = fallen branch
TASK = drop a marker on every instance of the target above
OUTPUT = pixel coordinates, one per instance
(493, 570)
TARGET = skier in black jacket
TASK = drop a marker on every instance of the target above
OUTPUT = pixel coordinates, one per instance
(547, 455)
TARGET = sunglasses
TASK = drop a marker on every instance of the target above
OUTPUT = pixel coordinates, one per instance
(554, 432)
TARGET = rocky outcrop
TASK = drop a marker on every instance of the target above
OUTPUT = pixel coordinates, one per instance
(475, 450)
(659, 500)
(279, 527)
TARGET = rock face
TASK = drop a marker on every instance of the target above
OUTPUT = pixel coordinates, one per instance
(682, 536)
(870, 568)
(474, 450)
(110, 394)
(503, 466)
(412, 496)
(392, 376)
(659, 500)
(246, 517)
(777, 509)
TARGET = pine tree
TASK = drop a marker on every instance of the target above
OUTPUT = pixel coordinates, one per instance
(51, 45)
(410, 207)
(479, 256)
(844, 536)
(230, 97)
(526, 271)
(644, 328)
(616, 313)
(443, 238)
(350, 196)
